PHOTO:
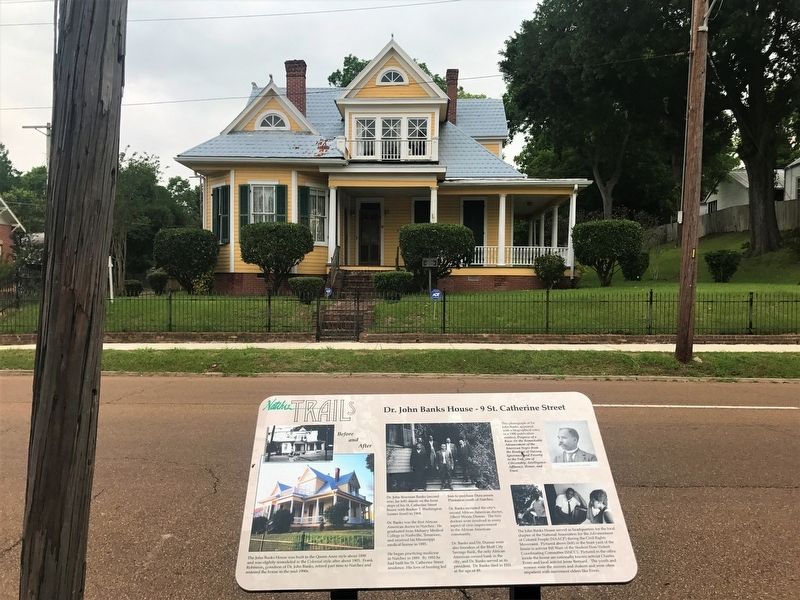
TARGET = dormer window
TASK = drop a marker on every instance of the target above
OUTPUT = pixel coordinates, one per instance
(392, 77)
(273, 120)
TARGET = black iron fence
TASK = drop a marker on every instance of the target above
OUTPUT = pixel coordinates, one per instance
(564, 312)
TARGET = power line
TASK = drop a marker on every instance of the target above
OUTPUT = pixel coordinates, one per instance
(259, 15)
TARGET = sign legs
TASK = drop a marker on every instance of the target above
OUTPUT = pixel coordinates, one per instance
(344, 594)
(525, 592)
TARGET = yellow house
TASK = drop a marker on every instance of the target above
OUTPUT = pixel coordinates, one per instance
(355, 164)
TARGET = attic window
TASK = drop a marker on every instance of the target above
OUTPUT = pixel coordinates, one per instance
(273, 120)
(391, 77)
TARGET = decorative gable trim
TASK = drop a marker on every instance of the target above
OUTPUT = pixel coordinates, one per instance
(270, 90)
(410, 65)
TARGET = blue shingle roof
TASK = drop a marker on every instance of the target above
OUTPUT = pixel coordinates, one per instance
(264, 144)
(482, 117)
(465, 158)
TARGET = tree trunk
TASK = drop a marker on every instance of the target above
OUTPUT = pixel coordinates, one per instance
(119, 247)
(764, 234)
(607, 185)
(87, 90)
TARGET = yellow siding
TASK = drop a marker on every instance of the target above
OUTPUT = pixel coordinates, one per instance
(495, 148)
(272, 103)
(315, 262)
(397, 211)
(370, 89)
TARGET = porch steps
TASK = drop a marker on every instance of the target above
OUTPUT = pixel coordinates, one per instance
(343, 318)
(398, 460)
(459, 479)
(357, 282)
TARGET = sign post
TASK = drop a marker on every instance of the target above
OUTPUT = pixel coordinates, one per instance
(437, 490)
(430, 264)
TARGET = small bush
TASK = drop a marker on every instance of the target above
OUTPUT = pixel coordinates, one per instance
(186, 254)
(602, 244)
(275, 247)
(259, 526)
(634, 266)
(336, 513)
(133, 287)
(307, 288)
(452, 245)
(203, 284)
(723, 264)
(280, 522)
(157, 279)
(392, 284)
(549, 268)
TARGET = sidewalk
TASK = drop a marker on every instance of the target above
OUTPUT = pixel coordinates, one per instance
(432, 346)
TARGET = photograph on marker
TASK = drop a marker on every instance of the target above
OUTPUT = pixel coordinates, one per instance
(578, 504)
(569, 442)
(315, 506)
(302, 443)
(529, 505)
(434, 457)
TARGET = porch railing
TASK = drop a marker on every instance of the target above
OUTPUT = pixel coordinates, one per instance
(392, 149)
(515, 256)
(308, 520)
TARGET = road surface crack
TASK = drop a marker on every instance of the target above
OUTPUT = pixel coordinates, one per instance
(5, 551)
(465, 594)
(214, 480)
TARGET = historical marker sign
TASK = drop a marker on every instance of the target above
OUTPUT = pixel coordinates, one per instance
(428, 491)
(430, 263)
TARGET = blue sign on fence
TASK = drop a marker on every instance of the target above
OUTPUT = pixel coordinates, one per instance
(328, 292)
(436, 295)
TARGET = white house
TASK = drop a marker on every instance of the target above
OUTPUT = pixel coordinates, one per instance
(791, 189)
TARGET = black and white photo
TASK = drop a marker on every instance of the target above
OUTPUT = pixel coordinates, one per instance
(529, 505)
(303, 443)
(578, 504)
(569, 442)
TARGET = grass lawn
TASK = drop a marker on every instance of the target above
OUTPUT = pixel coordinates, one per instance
(328, 539)
(496, 362)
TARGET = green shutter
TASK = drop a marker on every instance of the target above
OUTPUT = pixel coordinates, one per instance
(244, 205)
(303, 208)
(280, 203)
(215, 213)
(225, 214)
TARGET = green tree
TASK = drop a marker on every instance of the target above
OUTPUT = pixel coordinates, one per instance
(603, 245)
(275, 248)
(754, 50)
(186, 254)
(27, 196)
(336, 513)
(8, 174)
(186, 198)
(452, 245)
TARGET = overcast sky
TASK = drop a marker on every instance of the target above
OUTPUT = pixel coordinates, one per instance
(212, 58)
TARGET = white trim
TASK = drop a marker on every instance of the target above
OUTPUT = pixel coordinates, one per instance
(332, 224)
(272, 91)
(516, 181)
(385, 70)
(325, 192)
(263, 115)
(232, 220)
(573, 203)
(501, 230)
(5, 208)
(201, 160)
(434, 103)
(358, 227)
(384, 168)
(295, 199)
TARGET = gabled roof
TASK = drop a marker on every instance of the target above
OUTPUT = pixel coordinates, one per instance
(7, 215)
(466, 158)
(482, 117)
(794, 163)
(264, 144)
(421, 76)
(269, 90)
(739, 175)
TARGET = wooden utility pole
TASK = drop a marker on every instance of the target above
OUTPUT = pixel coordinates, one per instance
(692, 171)
(87, 91)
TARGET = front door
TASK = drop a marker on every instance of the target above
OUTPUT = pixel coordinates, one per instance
(474, 219)
(369, 233)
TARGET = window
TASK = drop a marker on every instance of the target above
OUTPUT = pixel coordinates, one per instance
(391, 76)
(712, 206)
(417, 136)
(262, 203)
(365, 137)
(797, 189)
(220, 213)
(273, 121)
(317, 214)
(390, 134)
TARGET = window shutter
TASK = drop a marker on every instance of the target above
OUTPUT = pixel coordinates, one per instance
(303, 201)
(280, 203)
(244, 205)
(225, 215)
(215, 213)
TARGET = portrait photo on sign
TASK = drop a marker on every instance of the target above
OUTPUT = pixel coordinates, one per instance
(529, 505)
(569, 442)
(301, 443)
(315, 506)
(578, 504)
(434, 457)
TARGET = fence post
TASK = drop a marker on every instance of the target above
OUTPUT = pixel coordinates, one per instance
(547, 311)
(650, 312)
(444, 312)
(318, 335)
(269, 311)
(750, 314)
(169, 311)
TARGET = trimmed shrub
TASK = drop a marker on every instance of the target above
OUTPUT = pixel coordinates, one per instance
(186, 254)
(602, 244)
(203, 284)
(133, 287)
(392, 284)
(336, 513)
(307, 288)
(549, 268)
(259, 526)
(723, 264)
(453, 245)
(280, 522)
(634, 266)
(157, 279)
(275, 248)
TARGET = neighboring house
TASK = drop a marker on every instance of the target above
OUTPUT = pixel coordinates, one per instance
(355, 164)
(791, 180)
(9, 223)
(295, 440)
(314, 492)
(733, 191)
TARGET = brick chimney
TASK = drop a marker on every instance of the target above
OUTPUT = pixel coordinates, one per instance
(296, 83)
(336, 474)
(452, 92)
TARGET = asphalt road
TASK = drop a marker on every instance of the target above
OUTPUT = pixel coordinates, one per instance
(710, 494)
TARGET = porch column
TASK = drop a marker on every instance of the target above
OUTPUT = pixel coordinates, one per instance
(316, 510)
(573, 200)
(332, 223)
(541, 230)
(501, 231)
(434, 204)
(530, 231)
(291, 507)
(554, 233)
